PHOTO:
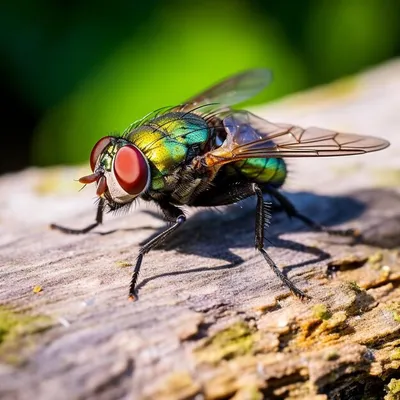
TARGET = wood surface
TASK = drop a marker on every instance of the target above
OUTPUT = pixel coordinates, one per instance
(212, 320)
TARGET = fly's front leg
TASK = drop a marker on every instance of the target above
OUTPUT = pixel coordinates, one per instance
(99, 220)
(171, 213)
(261, 219)
(291, 211)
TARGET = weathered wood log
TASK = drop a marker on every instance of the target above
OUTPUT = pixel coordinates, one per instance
(212, 320)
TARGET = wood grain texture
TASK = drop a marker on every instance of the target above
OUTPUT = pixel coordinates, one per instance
(213, 321)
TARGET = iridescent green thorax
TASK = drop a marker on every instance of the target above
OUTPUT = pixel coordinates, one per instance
(168, 141)
(259, 170)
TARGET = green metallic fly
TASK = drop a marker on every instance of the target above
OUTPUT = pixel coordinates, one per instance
(203, 153)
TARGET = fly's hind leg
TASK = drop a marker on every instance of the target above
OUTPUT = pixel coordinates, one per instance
(98, 221)
(171, 213)
(291, 211)
(261, 219)
(221, 195)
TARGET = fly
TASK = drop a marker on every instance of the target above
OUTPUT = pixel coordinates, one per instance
(203, 153)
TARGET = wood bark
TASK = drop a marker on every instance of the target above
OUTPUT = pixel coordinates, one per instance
(212, 320)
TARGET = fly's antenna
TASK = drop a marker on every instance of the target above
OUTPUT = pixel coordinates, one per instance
(83, 187)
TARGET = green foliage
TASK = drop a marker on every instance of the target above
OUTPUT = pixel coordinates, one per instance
(179, 57)
(88, 71)
(346, 35)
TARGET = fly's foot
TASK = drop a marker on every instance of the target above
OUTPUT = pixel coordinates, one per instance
(353, 233)
(63, 229)
(299, 293)
(55, 227)
(71, 231)
(133, 297)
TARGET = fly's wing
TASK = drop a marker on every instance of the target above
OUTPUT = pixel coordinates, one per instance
(216, 99)
(233, 90)
(248, 136)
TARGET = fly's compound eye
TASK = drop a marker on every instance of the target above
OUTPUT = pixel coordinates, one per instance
(131, 170)
(98, 149)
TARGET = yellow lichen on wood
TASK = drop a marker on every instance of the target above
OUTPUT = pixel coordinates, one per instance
(321, 311)
(16, 330)
(177, 386)
(395, 355)
(123, 264)
(236, 340)
(393, 389)
(37, 289)
(248, 393)
(319, 332)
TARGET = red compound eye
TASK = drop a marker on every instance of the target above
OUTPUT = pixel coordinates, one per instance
(98, 149)
(131, 169)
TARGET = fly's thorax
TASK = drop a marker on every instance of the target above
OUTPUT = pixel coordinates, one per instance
(171, 140)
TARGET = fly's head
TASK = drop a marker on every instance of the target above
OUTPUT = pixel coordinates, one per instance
(120, 170)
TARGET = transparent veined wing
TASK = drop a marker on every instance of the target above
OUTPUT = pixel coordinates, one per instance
(249, 136)
(230, 91)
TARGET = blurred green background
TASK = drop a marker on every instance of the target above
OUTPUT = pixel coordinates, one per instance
(73, 71)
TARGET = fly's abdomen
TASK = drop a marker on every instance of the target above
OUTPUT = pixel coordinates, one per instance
(260, 170)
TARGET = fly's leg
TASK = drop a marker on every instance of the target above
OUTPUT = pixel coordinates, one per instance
(99, 220)
(261, 219)
(171, 213)
(291, 211)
